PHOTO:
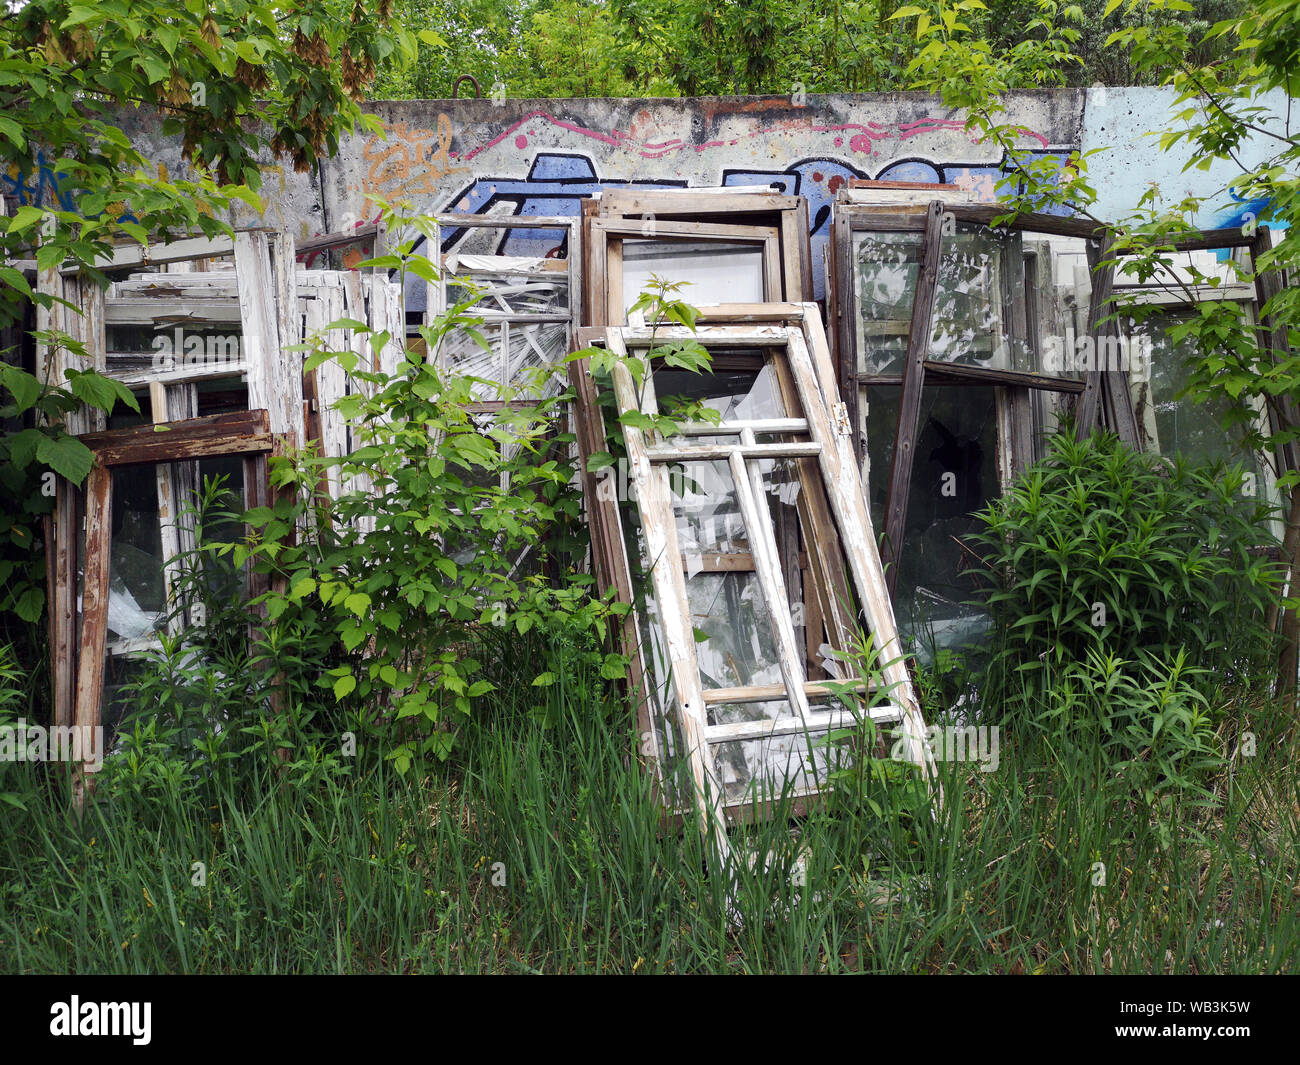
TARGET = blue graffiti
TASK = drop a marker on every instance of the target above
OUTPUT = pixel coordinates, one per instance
(557, 183)
(44, 188)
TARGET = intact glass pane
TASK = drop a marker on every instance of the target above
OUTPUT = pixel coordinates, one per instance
(712, 271)
(461, 354)
(1171, 423)
(541, 290)
(885, 271)
(766, 768)
(978, 297)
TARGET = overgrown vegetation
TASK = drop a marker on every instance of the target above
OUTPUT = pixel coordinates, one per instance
(422, 764)
(536, 849)
(1099, 552)
(561, 48)
(1135, 819)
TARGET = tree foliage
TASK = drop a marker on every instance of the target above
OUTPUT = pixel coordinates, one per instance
(241, 83)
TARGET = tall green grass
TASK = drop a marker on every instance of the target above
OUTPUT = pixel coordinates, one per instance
(540, 850)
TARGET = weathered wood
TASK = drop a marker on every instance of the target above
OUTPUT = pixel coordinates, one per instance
(848, 503)
(767, 564)
(820, 721)
(189, 309)
(610, 562)
(1101, 263)
(663, 552)
(957, 373)
(719, 562)
(831, 593)
(136, 254)
(1057, 225)
(94, 601)
(765, 693)
(909, 413)
(724, 452)
(61, 557)
(237, 433)
(665, 203)
(735, 428)
(1194, 240)
(274, 375)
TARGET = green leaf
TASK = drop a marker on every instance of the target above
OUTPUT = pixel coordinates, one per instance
(24, 218)
(344, 686)
(24, 387)
(66, 456)
(358, 603)
(30, 605)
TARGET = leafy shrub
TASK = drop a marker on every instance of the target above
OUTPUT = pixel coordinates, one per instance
(390, 594)
(1133, 728)
(1101, 551)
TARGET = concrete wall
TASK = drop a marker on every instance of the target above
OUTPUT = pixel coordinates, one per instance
(543, 156)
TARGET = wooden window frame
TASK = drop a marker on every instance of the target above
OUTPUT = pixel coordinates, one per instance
(244, 434)
(918, 369)
(788, 213)
(436, 301)
(605, 238)
(807, 362)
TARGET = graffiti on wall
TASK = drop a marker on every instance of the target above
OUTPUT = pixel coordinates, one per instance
(544, 166)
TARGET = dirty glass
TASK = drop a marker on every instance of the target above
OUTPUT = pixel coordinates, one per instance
(979, 293)
(536, 290)
(166, 347)
(885, 270)
(524, 358)
(795, 764)
(954, 474)
(766, 768)
(737, 395)
(1061, 286)
(1174, 424)
(137, 596)
(137, 601)
(712, 271)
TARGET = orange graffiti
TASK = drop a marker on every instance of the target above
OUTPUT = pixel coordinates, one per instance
(410, 161)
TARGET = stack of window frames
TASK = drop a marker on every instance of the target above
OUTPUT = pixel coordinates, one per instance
(962, 343)
(732, 647)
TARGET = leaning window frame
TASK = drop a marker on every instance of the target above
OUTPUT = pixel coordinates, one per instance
(1175, 298)
(931, 220)
(830, 445)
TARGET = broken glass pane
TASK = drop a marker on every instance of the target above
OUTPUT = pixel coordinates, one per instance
(954, 474)
(137, 599)
(738, 395)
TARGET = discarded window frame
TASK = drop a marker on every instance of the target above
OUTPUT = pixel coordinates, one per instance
(1170, 423)
(527, 302)
(735, 206)
(81, 644)
(956, 343)
(739, 707)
